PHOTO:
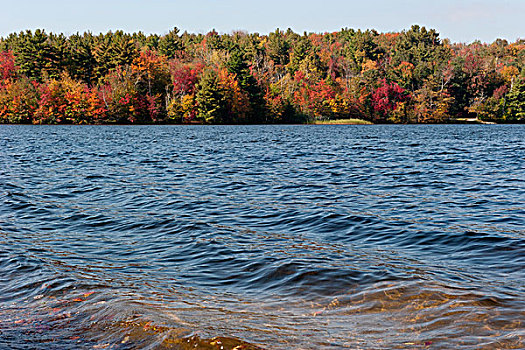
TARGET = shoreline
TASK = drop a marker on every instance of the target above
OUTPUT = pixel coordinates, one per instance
(327, 122)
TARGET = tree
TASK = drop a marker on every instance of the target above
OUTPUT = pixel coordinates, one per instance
(278, 48)
(123, 49)
(170, 44)
(18, 101)
(102, 46)
(7, 66)
(515, 103)
(237, 66)
(30, 51)
(210, 100)
(386, 98)
(66, 101)
(152, 72)
(56, 56)
(82, 60)
(300, 51)
(432, 104)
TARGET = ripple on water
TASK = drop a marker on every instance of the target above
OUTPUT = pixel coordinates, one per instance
(256, 237)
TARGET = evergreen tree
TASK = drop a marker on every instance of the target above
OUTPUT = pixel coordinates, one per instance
(238, 66)
(515, 103)
(82, 61)
(170, 45)
(56, 55)
(102, 46)
(210, 100)
(278, 48)
(30, 52)
(300, 51)
(123, 49)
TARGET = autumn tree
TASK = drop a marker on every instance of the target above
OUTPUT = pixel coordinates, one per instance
(385, 100)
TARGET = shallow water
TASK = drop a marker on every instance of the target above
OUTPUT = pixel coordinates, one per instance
(273, 237)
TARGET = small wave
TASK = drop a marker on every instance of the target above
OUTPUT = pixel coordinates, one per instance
(382, 237)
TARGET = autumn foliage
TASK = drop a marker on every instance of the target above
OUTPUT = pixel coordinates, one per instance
(407, 77)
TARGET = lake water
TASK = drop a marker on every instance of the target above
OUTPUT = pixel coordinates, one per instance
(273, 237)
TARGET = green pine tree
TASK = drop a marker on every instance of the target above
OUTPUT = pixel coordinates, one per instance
(210, 100)
(170, 44)
(515, 103)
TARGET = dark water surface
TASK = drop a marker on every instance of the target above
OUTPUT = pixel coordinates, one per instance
(278, 237)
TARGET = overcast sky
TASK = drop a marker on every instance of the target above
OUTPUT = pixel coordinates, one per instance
(459, 20)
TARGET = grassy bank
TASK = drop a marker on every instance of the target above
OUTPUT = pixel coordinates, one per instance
(351, 121)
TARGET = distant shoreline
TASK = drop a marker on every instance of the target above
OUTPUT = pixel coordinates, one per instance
(315, 123)
(345, 77)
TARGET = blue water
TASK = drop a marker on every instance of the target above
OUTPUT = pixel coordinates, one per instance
(273, 237)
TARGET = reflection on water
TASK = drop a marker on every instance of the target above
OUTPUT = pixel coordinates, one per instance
(262, 237)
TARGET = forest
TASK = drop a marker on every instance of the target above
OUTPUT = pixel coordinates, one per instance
(412, 76)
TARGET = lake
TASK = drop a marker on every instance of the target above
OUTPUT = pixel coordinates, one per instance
(262, 237)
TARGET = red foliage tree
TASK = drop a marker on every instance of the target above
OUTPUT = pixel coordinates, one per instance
(185, 77)
(7, 65)
(386, 97)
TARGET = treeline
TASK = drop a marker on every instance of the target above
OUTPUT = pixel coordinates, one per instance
(283, 77)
